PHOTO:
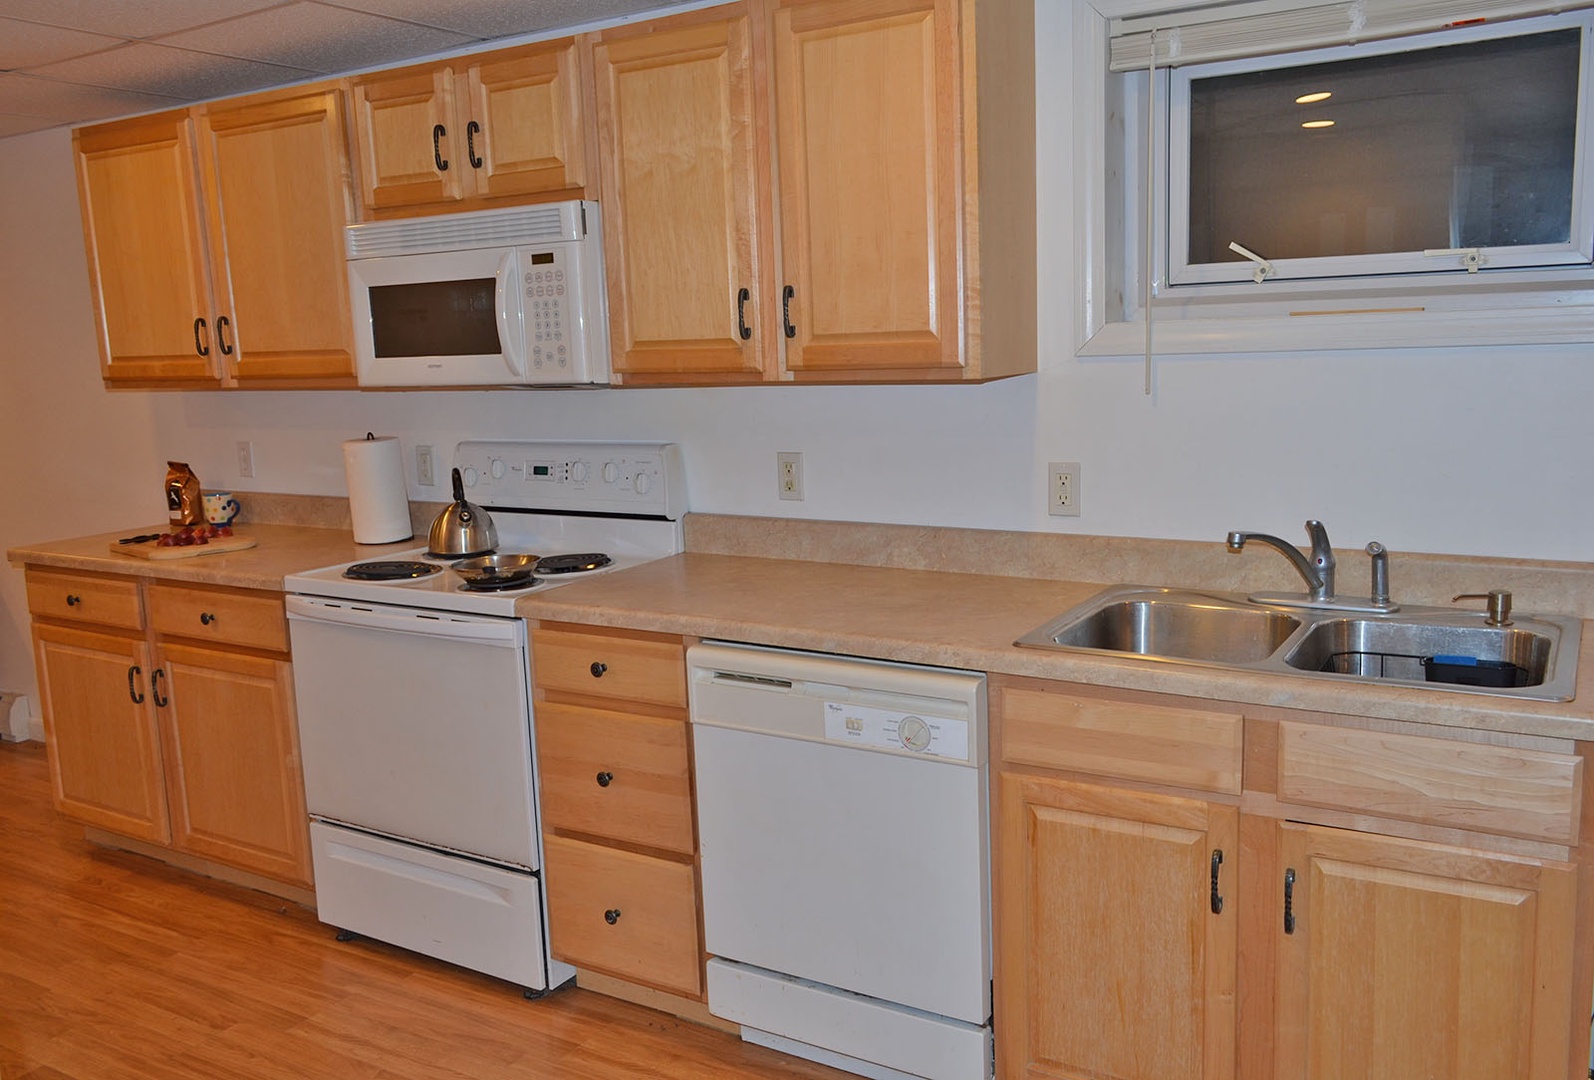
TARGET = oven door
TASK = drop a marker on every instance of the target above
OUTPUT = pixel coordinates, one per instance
(417, 725)
(450, 318)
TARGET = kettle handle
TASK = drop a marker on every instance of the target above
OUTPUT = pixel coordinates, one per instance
(459, 487)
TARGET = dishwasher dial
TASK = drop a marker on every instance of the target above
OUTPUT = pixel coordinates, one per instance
(914, 733)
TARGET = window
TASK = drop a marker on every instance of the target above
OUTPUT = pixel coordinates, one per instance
(1450, 153)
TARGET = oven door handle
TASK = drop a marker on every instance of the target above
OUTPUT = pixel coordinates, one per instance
(436, 624)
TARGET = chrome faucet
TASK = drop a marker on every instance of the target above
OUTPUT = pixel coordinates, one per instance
(1380, 589)
(1318, 571)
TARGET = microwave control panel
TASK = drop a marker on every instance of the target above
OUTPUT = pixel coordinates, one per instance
(554, 336)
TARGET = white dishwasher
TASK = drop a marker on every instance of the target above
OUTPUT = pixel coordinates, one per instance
(845, 858)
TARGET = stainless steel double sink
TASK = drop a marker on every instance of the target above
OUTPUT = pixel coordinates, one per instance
(1533, 657)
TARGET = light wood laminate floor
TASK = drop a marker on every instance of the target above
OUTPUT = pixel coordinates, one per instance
(114, 966)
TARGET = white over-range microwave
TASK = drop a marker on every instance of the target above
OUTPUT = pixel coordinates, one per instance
(511, 297)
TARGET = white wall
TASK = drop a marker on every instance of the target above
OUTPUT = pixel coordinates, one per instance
(1474, 452)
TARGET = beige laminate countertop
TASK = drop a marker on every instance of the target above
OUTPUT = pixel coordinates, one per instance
(917, 616)
(971, 620)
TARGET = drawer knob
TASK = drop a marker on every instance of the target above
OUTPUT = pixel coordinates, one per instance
(605, 779)
(612, 916)
(598, 668)
(206, 618)
(73, 601)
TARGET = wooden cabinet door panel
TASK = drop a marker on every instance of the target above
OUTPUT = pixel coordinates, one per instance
(1410, 959)
(1111, 962)
(526, 105)
(866, 95)
(99, 714)
(233, 761)
(146, 250)
(396, 114)
(278, 199)
(687, 220)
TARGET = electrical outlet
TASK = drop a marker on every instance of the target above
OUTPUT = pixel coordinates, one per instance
(424, 475)
(1062, 489)
(789, 475)
(246, 458)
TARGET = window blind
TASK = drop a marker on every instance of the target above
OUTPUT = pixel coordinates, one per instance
(1262, 27)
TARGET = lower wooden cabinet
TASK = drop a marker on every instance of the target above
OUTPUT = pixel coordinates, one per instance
(169, 717)
(1146, 934)
(619, 840)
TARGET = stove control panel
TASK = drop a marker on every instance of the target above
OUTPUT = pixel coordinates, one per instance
(644, 479)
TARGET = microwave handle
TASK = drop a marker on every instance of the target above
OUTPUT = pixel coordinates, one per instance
(511, 337)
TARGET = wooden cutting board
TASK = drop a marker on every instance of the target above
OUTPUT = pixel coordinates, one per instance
(218, 546)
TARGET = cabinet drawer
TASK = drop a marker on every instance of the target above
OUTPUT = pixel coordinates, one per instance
(649, 668)
(255, 620)
(1188, 748)
(87, 598)
(614, 775)
(1493, 789)
(653, 937)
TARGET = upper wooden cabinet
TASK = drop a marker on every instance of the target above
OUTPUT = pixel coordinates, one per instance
(484, 130)
(885, 149)
(215, 245)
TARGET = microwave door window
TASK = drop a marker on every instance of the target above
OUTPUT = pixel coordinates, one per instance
(435, 318)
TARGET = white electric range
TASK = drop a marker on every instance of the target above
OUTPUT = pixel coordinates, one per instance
(414, 702)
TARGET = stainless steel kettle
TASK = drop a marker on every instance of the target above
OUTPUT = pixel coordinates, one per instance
(463, 529)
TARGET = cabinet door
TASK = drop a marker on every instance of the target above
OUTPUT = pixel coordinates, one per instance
(232, 756)
(687, 216)
(866, 96)
(405, 140)
(146, 250)
(99, 720)
(278, 199)
(1400, 959)
(521, 121)
(1111, 960)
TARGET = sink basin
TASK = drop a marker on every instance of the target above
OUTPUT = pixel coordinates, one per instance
(1438, 648)
(1185, 626)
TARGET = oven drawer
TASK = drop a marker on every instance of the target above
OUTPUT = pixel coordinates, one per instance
(85, 598)
(466, 912)
(254, 620)
(615, 775)
(623, 914)
(634, 666)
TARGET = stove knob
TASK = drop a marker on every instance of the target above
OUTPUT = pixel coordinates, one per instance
(611, 472)
(643, 483)
(471, 476)
(497, 468)
(578, 471)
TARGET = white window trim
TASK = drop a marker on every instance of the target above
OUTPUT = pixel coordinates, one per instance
(1107, 200)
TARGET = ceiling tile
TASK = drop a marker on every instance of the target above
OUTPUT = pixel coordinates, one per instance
(64, 102)
(494, 18)
(21, 125)
(149, 68)
(130, 18)
(319, 38)
(25, 44)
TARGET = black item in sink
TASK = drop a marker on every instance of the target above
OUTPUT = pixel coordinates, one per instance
(1465, 671)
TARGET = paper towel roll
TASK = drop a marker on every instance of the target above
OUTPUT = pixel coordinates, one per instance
(374, 468)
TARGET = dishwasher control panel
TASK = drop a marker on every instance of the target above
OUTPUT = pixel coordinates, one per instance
(892, 729)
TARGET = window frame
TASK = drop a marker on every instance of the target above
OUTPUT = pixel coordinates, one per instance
(1578, 251)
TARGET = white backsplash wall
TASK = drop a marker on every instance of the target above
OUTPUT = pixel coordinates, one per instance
(1484, 452)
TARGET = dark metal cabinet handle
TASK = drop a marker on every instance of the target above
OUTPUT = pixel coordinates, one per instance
(612, 916)
(785, 310)
(73, 600)
(1289, 901)
(206, 618)
(598, 668)
(438, 131)
(1217, 897)
(155, 688)
(605, 779)
(200, 346)
(221, 335)
(132, 690)
(742, 296)
(470, 144)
